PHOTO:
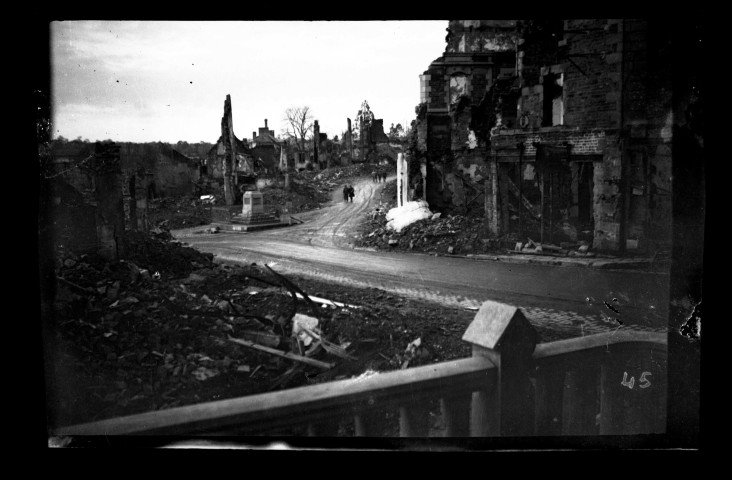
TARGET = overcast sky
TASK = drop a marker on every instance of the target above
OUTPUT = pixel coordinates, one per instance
(143, 81)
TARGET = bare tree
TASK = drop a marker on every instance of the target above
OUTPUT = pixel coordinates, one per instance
(299, 122)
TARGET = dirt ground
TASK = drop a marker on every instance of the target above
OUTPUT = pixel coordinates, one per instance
(153, 331)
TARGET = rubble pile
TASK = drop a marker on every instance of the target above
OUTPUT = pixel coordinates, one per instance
(310, 190)
(182, 212)
(580, 248)
(451, 234)
(167, 326)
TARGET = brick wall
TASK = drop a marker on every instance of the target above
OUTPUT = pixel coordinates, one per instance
(481, 35)
(590, 142)
(607, 198)
(592, 86)
(438, 89)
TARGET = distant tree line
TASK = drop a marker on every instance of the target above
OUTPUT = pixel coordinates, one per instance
(192, 150)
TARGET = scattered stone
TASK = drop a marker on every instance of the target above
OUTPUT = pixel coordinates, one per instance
(194, 277)
(583, 249)
(436, 215)
(450, 249)
(69, 263)
(223, 305)
(145, 275)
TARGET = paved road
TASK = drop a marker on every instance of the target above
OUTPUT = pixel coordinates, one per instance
(583, 300)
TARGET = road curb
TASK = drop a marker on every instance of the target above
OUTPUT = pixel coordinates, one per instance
(594, 262)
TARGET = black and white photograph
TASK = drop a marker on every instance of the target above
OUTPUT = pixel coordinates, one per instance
(372, 234)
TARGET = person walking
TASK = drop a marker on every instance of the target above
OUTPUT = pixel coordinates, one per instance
(345, 192)
(351, 192)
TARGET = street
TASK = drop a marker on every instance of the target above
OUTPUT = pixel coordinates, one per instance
(561, 297)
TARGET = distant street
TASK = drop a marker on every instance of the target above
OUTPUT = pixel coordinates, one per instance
(589, 299)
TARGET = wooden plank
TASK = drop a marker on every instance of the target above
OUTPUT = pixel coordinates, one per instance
(287, 355)
(617, 339)
(456, 412)
(485, 413)
(301, 405)
(549, 397)
(323, 429)
(528, 206)
(262, 338)
(369, 423)
(413, 420)
(580, 407)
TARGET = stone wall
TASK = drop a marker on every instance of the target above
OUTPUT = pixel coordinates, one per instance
(592, 81)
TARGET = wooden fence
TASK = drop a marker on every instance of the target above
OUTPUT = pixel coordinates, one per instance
(610, 383)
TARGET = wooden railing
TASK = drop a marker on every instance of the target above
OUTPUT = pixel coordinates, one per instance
(610, 383)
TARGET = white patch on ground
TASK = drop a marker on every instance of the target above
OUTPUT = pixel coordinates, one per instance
(410, 212)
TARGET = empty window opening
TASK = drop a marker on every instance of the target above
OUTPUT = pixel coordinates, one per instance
(553, 100)
(458, 87)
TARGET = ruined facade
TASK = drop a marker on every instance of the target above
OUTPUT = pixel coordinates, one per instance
(561, 127)
(371, 134)
(146, 171)
(459, 96)
(230, 159)
(265, 149)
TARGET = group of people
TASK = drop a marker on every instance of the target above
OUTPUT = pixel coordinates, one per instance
(348, 193)
(378, 175)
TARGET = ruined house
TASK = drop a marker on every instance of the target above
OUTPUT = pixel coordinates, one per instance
(147, 170)
(91, 204)
(265, 149)
(159, 169)
(230, 159)
(371, 134)
(560, 128)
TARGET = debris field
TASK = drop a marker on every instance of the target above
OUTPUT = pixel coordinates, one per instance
(168, 326)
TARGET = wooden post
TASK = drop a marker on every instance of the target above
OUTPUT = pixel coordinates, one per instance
(413, 420)
(369, 422)
(549, 395)
(579, 409)
(503, 334)
(456, 412)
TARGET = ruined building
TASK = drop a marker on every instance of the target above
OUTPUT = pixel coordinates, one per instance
(230, 159)
(265, 149)
(371, 133)
(143, 172)
(560, 129)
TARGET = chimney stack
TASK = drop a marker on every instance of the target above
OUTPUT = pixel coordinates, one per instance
(265, 123)
(254, 135)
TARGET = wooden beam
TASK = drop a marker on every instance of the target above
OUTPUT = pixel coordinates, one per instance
(311, 404)
(280, 353)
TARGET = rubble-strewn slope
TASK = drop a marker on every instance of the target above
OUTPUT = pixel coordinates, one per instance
(152, 331)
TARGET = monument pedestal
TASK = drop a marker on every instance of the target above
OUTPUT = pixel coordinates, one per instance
(252, 216)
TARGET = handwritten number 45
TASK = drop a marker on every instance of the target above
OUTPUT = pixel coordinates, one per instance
(643, 382)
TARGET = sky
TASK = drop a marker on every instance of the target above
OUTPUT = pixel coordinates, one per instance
(148, 81)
